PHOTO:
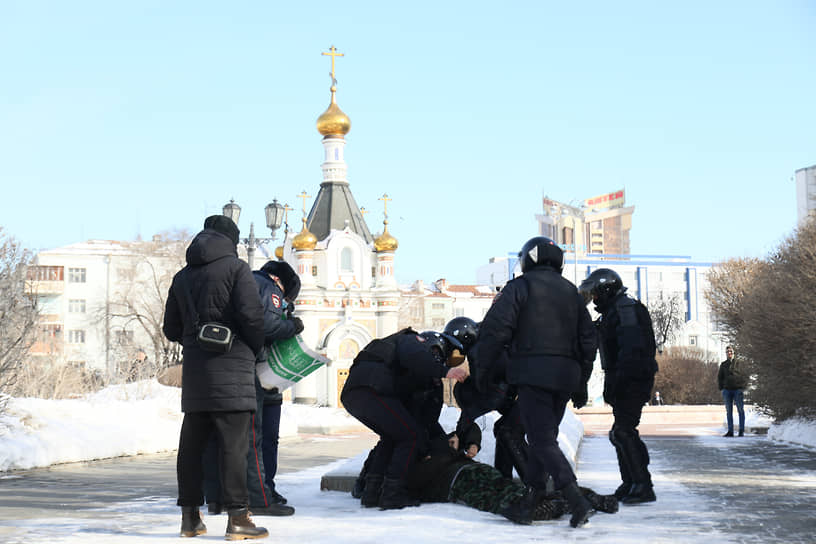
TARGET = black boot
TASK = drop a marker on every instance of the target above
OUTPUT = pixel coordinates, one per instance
(191, 524)
(602, 503)
(240, 526)
(640, 493)
(522, 510)
(622, 490)
(579, 506)
(623, 466)
(372, 490)
(273, 509)
(515, 447)
(395, 495)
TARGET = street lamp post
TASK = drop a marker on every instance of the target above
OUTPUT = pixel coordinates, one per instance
(274, 217)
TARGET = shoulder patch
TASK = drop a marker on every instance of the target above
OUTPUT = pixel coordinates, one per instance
(276, 302)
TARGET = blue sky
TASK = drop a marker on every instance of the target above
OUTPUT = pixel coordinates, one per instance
(120, 119)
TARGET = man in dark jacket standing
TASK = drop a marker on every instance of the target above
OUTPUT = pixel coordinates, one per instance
(218, 389)
(731, 381)
(543, 322)
(627, 346)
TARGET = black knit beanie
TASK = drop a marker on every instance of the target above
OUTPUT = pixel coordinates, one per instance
(287, 276)
(224, 225)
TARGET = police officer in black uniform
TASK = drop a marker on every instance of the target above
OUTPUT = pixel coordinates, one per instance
(512, 450)
(379, 392)
(541, 319)
(627, 346)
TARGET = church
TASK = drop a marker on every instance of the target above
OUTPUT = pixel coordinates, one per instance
(349, 293)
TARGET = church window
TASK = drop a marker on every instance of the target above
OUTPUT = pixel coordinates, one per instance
(345, 260)
(337, 154)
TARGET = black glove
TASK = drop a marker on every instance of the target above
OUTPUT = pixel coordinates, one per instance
(579, 398)
(298, 325)
(290, 308)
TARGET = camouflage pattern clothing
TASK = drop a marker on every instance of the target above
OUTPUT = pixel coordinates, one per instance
(483, 487)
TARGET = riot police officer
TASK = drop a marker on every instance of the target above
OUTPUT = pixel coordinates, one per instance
(627, 345)
(380, 393)
(542, 321)
(511, 450)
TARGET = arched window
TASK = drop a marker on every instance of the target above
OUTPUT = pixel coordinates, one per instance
(345, 260)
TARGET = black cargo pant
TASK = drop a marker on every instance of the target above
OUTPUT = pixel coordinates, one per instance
(401, 437)
(541, 413)
(231, 431)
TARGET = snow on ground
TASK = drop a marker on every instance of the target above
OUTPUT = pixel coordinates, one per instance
(144, 417)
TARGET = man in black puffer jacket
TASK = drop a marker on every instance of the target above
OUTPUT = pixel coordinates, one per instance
(542, 321)
(218, 389)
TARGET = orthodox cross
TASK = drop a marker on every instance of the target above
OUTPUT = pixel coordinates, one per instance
(385, 200)
(304, 196)
(333, 54)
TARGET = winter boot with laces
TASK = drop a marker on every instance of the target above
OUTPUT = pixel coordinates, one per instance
(191, 524)
(240, 526)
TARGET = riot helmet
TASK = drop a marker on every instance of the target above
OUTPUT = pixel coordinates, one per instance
(444, 348)
(463, 329)
(541, 251)
(603, 285)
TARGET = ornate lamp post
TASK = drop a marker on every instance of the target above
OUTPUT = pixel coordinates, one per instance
(274, 216)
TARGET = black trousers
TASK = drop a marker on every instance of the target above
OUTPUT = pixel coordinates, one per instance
(401, 437)
(231, 431)
(541, 413)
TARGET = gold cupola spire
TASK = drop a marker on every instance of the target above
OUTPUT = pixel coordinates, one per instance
(385, 242)
(304, 239)
(333, 122)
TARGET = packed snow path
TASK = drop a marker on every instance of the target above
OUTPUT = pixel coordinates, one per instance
(709, 488)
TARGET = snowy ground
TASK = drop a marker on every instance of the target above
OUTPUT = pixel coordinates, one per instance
(144, 418)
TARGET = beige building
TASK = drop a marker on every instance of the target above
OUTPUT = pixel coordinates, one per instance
(600, 225)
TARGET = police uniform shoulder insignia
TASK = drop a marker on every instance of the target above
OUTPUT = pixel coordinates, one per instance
(275, 301)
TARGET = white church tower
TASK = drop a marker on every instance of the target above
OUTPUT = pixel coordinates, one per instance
(349, 294)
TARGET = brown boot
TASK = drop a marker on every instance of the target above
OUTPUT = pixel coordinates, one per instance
(191, 524)
(240, 526)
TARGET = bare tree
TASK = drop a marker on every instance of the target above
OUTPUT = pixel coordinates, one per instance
(18, 312)
(140, 301)
(728, 284)
(667, 318)
(776, 333)
(687, 376)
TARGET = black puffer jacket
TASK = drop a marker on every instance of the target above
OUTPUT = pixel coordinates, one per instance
(222, 290)
(543, 323)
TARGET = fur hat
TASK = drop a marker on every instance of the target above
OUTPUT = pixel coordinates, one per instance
(224, 225)
(287, 275)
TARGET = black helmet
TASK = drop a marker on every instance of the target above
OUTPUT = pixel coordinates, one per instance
(541, 251)
(463, 329)
(601, 286)
(443, 347)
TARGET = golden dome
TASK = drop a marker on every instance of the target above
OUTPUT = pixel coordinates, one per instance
(305, 239)
(279, 253)
(385, 242)
(333, 122)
